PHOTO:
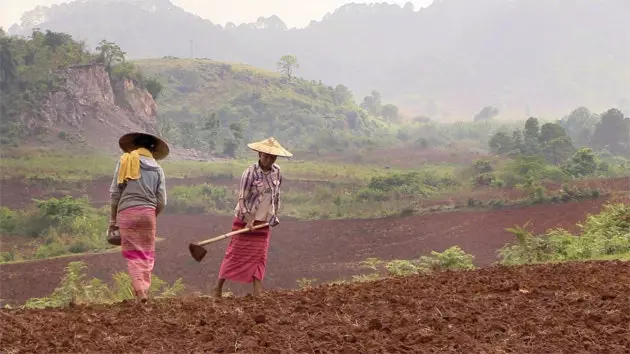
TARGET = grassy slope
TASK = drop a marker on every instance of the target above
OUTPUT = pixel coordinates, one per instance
(302, 113)
(198, 84)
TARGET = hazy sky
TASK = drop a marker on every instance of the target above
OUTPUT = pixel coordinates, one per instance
(295, 13)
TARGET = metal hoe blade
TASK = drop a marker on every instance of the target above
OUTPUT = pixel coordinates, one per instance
(197, 252)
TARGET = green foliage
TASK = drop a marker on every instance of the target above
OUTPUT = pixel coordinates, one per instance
(583, 163)
(287, 65)
(202, 100)
(603, 234)
(76, 289)
(550, 141)
(28, 73)
(486, 113)
(64, 226)
(580, 125)
(9, 220)
(390, 112)
(453, 258)
(518, 170)
(612, 133)
(482, 173)
(372, 103)
(154, 86)
(202, 198)
(383, 194)
(110, 54)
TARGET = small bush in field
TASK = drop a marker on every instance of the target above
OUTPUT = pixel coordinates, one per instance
(75, 288)
(453, 258)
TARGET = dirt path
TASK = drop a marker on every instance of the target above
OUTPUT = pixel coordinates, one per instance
(568, 308)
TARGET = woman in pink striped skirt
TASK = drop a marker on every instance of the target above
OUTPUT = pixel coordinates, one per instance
(138, 196)
(245, 258)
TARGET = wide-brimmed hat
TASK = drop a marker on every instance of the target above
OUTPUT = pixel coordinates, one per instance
(270, 146)
(161, 147)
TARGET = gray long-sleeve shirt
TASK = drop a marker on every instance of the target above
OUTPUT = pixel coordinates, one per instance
(149, 190)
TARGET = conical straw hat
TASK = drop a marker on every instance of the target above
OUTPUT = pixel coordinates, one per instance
(270, 146)
(161, 148)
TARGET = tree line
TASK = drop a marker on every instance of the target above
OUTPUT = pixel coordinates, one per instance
(569, 142)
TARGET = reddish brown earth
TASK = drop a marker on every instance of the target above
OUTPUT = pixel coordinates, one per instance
(565, 308)
(324, 250)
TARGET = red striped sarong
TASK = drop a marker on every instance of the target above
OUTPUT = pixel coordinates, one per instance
(246, 254)
(137, 233)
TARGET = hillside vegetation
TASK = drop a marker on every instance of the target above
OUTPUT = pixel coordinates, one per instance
(446, 61)
(216, 106)
(39, 94)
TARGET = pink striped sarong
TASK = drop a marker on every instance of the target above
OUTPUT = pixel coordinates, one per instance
(246, 254)
(137, 233)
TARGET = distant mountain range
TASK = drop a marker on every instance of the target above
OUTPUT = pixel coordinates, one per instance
(449, 60)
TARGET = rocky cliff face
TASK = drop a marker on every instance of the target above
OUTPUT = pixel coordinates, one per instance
(85, 103)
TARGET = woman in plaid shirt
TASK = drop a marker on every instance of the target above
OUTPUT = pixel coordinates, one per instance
(245, 258)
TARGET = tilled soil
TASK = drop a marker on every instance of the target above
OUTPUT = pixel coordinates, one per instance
(564, 308)
(325, 250)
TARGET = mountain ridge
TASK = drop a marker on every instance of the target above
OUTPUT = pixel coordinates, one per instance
(531, 57)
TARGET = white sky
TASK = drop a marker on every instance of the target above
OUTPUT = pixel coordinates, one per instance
(295, 13)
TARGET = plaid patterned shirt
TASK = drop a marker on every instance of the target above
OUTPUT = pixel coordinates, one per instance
(254, 183)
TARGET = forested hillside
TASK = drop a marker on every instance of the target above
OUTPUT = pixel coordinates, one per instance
(216, 106)
(446, 61)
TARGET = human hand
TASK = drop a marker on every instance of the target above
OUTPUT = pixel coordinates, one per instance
(249, 221)
(274, 221)
(112, 225)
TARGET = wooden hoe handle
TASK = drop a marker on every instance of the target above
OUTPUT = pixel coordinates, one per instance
(230, 234)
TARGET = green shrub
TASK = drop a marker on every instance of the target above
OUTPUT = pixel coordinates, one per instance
(9, 220)
(603, 234)
(75, 288)
(67, 225)
(201, 198)
(453, 258)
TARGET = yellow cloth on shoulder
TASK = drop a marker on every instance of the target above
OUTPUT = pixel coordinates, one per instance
(130, 164)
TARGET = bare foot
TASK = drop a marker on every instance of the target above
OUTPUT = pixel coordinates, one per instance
(218, 293)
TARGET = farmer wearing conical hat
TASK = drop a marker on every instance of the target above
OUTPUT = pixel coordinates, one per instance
(258, 201)
(138, 196)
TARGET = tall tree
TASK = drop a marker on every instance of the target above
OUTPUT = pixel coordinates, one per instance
(372, 103)
(582, 163)
(8, 67)
(530, 137)
(532, 128)
(580, 125)
(110, 54)
(501, 143)
(486, 113)
(558, 150)
(612, 133)
(390, 112)
(550, 131)
(287, 65)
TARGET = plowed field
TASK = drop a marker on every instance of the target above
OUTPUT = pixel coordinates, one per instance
(567, 308)
(325, 250)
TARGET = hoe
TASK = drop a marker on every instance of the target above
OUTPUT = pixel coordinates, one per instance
(198, 252)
